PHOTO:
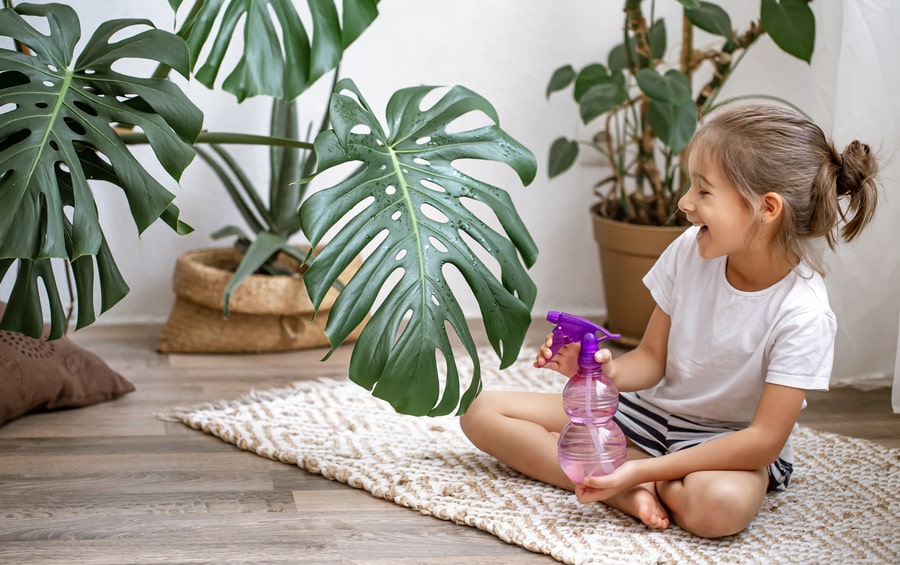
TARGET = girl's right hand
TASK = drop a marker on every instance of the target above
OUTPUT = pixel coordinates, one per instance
(566, 360)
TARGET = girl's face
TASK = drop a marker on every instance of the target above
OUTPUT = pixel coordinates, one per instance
(716, 206)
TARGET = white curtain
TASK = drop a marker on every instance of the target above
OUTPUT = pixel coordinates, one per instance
(858, 93)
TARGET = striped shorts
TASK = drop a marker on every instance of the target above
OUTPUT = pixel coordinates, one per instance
(658, 432)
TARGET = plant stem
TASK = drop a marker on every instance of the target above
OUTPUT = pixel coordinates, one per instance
(687, 45)
(724, 65)
(223, 138)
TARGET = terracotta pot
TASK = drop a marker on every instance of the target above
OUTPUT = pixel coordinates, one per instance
(266, 313)
(627, 252)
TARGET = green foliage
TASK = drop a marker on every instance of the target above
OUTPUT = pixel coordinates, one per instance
(648, 115)
(414, 216)
(58, 134)
(68, 122)
(274, 38)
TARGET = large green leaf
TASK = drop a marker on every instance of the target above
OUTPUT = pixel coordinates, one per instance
(410, 209)
(57, 134)
(620, 55)
(673, 87)
(562, 78)
(791, 25)
(563, 153)
(278, 55)
(712, 18)
(673, 123)
(590, 76)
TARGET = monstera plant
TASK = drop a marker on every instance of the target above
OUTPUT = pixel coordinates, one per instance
(67, 118)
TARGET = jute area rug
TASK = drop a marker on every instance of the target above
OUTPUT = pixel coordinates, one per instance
(842, 506)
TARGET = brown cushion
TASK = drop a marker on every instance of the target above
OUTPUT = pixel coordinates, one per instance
(37, 375)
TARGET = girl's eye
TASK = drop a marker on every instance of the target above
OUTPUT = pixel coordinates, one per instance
(702, 192)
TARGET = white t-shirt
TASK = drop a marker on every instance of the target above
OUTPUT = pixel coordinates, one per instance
(724, 344)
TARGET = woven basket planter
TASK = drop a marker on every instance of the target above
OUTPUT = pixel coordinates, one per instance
(266, 313)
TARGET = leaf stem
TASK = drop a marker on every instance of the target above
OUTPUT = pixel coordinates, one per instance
(223, 138)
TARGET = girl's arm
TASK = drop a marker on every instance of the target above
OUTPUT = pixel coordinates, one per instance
(752, 448)
(639, 369)
(645, 365)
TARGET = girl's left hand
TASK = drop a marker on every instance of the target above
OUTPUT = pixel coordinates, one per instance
(601, 488)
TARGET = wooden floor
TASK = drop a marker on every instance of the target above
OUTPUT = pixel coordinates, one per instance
(114, 484)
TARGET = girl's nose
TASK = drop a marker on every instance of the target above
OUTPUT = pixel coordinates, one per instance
(684, 203)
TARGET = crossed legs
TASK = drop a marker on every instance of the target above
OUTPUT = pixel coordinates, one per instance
(521, 429)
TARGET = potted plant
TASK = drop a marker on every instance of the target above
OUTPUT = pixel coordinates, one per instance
(647, 107)
(58, 137)
(251, 297)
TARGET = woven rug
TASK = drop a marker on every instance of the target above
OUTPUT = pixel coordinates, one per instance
(842, 506)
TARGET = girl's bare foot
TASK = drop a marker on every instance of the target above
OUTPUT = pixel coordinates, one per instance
(643, 504)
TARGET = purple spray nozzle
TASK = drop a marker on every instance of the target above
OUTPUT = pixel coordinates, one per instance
(569, 329)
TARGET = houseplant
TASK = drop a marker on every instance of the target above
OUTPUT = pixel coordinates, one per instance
(272, 311)
(647, 107)
(58, 138)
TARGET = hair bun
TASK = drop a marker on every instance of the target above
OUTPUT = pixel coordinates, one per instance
(857, 166)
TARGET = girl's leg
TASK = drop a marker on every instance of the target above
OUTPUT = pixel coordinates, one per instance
(520, 429)
(713, 504)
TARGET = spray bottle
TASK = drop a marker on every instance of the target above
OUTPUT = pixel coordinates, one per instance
(591, 444)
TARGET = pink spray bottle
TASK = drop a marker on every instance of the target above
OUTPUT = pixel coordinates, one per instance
(591, 444)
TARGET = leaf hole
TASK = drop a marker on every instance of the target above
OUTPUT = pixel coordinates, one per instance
(54, 145)
(86, 108)
(101, 156)
(48, 83)
(41, 105)
(468, 122)
(400, 255)
(390, 189)
(74, 126)
(421, 161)
(433, 213)
(6, 108)
(438, 244)
(14, 138)
(361, 129)
(396, 215)
(10, 79)
(423, 140)
(431, 185)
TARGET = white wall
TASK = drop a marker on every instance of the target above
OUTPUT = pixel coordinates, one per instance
(506, 51)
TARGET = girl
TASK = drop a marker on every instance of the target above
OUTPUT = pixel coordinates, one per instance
(741, 330)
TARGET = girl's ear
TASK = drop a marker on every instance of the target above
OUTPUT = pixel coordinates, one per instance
(771, 205)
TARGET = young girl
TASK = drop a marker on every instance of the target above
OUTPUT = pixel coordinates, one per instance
(741, 330)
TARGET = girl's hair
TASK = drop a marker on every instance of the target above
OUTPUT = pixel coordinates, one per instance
(768, 148)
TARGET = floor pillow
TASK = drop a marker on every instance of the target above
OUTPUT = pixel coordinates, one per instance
(38, 375)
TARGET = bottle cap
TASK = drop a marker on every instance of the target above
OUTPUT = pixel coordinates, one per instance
(588, 348)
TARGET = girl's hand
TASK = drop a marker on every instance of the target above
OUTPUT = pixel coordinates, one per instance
(601, 488)
(566, 361)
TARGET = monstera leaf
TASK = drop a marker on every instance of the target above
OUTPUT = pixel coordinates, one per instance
(279, 58)
(410, 208)
(57, 133)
